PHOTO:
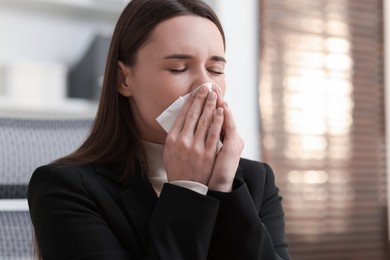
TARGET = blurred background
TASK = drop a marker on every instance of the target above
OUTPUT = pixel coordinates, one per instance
(306, 81)
(322, 99)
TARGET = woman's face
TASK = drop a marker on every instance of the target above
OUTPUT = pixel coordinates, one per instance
(182, 53)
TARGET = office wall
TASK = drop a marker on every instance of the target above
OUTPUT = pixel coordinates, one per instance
(54, 35)
(241, 24)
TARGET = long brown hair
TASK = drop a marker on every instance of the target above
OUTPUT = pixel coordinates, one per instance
(113, 137)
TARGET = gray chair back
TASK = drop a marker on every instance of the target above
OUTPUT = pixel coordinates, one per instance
(25, 144)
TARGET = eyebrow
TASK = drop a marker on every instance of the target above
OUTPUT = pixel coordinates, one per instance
(187, 57)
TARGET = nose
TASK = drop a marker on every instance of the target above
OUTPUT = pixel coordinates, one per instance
(202, 77)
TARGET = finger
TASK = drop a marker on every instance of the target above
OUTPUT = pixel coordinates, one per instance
(215, 129)
(181, 117)
(195, 111)
(229, 125)
(220, 99)
(206, 118)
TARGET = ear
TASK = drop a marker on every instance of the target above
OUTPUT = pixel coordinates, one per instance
(125, 80)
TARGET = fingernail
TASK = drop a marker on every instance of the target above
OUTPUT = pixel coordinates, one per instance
(212, 95)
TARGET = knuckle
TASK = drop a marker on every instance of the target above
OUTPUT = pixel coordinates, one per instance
(183, 144)
(213, 133)
(170, 140)
(209, 155)
(192, 115)
(201, 95)
(204, 121)
(197, 152)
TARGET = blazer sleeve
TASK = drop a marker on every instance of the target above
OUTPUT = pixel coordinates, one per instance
(182, 224)
(250, 223)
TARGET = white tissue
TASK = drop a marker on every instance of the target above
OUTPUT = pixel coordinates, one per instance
(167, 118)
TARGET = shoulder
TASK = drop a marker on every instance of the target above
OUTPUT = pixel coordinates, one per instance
(61, 168)
(258, 177)
(53, 179)
(56, 172)
(256, 171)
(83, 180)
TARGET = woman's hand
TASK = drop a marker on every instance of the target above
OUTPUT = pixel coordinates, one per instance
(190, 146)
(229, 156)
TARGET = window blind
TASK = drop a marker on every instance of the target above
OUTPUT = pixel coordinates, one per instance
(322, 124)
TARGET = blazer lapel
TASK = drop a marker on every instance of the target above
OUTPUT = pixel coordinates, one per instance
(137, 200)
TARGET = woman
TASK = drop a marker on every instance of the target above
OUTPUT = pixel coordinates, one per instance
(134, 191)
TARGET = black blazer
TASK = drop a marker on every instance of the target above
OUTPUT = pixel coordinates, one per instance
(82, 212)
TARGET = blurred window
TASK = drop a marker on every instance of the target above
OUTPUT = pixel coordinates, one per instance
(322, 126)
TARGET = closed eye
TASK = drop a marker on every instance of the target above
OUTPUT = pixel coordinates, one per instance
(214, 71)
(178, 70)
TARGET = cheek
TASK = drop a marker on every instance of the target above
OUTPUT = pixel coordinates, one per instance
(157, 93)
(149, 97)
(160, 101)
